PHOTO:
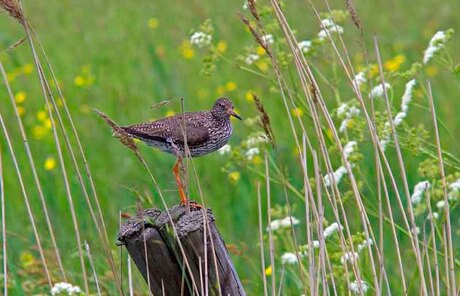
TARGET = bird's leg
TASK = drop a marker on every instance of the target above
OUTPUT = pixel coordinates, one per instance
(176, 171)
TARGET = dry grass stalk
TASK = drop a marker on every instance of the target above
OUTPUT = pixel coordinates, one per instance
(354, 15)
(91, 262)
(34, 172)
(306, 76)
(261, 240)
(119, 133)
(402, 169)
(264, 120)
(270, 232)
(450, 253)
(4, 244)
(27, 201)
(102, 231)
(253, 9)
(256, 35)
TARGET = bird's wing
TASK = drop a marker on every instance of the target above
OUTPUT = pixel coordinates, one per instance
(168, 129)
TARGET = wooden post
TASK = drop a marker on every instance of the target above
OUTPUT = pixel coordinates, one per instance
(152, 244)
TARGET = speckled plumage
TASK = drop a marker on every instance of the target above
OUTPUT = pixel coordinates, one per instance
(205, 131)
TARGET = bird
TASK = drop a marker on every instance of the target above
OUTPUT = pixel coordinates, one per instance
(190, 134)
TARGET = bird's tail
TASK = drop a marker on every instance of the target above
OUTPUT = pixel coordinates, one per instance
(118, 132)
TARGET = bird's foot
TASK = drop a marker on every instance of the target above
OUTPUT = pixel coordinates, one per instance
(193, 204)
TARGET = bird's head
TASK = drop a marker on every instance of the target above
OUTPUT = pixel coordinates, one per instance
(223, 109)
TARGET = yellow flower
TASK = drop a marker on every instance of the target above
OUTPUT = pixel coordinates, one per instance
(230, 86)
(257, 160)
(21, 110)
(220, 90)
(79, 81)
(50, 163)
(170, 113)
(268, 271)
(373, 70)
(26, 258)
(85, 109)
(20, 97)
(187, 50)
(249, 96)
(263, 66)
(152, 23)
(39, 132)
(260, 50)
(27, 69)
(298, 112)
(360, 68)
(47, 124)
(234, 176)
(329, 134)
(431, 71)
(394, 64)
(42, 115)
(222, 46)
(10, 76)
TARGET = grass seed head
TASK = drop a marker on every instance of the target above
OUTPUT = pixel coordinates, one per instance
(13, 8)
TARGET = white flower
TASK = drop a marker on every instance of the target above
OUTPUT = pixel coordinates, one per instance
(327, 23)
(349, 112)
(349, 257)
(322, 35)
(399, 118)
(304, 46)
(365, 244)
(384, 142)
(66, 288)
(419, 188)
(355, 287)
(436, 43)
(267, 39)
(349, 148)
(289, 258)
(225, 149)
(252, 152)
(407, 96)
(330, 27)
(251, 58)
(440, 204)
(359, 79)
(433, 216)
(337, 176)
(331, 229)
(315, 244)
(378, 91)
(200, 39)
(454, 190)
(283, 223)
(256, 139)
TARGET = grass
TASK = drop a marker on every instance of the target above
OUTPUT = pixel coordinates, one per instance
(123, 58)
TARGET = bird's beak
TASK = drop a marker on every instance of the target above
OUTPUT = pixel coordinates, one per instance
(232, 113)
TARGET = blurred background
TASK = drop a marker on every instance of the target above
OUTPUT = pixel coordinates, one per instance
(122, 57)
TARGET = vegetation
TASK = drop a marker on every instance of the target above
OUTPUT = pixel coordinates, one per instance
(343, 176)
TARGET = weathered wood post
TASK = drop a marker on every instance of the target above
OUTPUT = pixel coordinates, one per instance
(185, 264)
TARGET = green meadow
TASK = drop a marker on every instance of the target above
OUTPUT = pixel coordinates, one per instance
(123, 58)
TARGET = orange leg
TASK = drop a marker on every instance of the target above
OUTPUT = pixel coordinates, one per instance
(183, 199)
(176, 171)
